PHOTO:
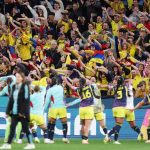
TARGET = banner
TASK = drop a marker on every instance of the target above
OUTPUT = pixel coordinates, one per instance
(74, 121)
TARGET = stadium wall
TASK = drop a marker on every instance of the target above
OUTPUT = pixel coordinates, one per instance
(74, 121)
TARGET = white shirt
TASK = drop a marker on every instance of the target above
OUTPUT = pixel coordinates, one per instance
(2, 19)
(98, 106)
(58, 13)
(130, 99)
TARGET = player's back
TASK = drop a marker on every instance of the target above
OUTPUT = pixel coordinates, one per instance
(120, 96)
(86, 96)
(98, 106)
(56, 95)
(37, 103)
(130, 97)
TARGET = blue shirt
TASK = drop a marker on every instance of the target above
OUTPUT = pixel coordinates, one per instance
(37, 101)
(16, 92)
(55, 97)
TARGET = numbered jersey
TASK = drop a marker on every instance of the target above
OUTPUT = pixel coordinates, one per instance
(86, 96)
(120, 97)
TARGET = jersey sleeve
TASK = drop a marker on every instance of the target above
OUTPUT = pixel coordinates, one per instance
(147, 99)
(4, 91)
(48, 100)
(76, 101)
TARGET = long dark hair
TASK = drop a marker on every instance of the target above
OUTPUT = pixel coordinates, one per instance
(82, 83)
(54, 81)
(9, 81)
(120, 82)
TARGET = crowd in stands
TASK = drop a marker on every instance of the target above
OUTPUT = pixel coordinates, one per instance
(97, 39)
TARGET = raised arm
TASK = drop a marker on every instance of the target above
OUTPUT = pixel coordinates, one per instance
(139, 105)
(129, 20)
(48, 100)
(109, 18)
(61, 4)
(39, 74)
(80, 74)
(69, 84)
(6, 77)
(76, 101)
(49, 6)
(4, 91)
(33, 12)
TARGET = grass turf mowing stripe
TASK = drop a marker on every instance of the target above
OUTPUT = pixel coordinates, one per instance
(75, 144)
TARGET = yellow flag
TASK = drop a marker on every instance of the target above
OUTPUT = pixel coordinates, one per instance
(68, 60)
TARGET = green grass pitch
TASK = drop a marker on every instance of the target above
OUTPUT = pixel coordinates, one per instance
(95, 144)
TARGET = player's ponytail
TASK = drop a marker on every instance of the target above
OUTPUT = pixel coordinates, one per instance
(9, 81)
(120, 82)
(82, 82)
(54, 81)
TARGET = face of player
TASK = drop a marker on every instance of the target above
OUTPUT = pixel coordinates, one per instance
(19, 78)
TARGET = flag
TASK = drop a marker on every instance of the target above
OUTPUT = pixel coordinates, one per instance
(68, 60)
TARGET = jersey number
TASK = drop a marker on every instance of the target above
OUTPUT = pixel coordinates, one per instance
(119, 94)
(86, 94)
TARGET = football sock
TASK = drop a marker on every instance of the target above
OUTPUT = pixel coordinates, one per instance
(136, 129)
(65, 129)
(45, 133)
(148, 133)
(51, 127)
